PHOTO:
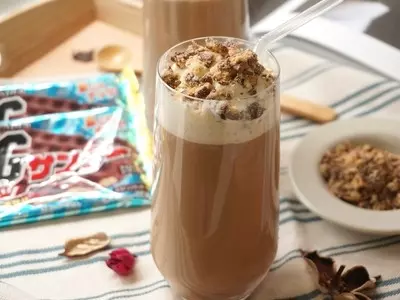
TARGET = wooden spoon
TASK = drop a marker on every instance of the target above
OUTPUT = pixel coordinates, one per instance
(114, 58)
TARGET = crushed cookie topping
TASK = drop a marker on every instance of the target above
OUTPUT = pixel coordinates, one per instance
(363, 175)
(207, 58)
(219, 71)
(171, 78)
(217, 47)
(191, 79)
(203, 91)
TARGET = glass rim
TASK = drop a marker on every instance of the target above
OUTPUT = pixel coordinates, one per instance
(270, 54)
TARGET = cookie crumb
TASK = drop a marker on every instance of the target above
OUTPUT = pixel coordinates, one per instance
(221, 70)
(363, 175)
(203, 91)
(171, 79)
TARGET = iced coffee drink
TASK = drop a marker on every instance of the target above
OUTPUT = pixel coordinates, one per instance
(216, 168)
(169, 22)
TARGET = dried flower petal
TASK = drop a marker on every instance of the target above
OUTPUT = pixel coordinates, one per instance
(339, 285)
(86, 245)
(121, 261)
(357, 279)
(324, 267)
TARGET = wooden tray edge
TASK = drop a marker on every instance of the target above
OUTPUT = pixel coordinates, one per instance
(29, 33)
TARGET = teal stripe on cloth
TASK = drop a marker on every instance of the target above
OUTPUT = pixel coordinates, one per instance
(340, 250)
(378, 295)
(278, 263)
(368, 100)
(60, 247)
(25, 262)
(361, 91)
(379, 107)
(133, 292)
(115, 237)
(140, 293)
(153, 285)
(307, 75)
(296, 216)
(341, 112)
(347, 98)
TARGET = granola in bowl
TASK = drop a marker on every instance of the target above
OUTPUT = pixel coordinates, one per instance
(362, 175)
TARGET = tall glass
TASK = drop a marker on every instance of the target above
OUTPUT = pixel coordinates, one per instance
(215, 209)
(169, 22)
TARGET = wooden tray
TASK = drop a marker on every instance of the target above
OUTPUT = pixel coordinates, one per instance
(38, 40)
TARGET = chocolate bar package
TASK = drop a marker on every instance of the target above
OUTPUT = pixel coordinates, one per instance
(72, 147)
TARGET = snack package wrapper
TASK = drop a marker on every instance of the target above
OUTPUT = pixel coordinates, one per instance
(72, 147)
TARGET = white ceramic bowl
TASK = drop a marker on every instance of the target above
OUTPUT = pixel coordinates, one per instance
(9, 292)
(310, 188)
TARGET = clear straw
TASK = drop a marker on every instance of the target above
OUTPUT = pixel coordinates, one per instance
(291, 25)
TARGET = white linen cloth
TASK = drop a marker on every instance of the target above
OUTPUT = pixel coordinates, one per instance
(29, 253)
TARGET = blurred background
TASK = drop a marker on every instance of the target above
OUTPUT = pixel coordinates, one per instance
(377, 18)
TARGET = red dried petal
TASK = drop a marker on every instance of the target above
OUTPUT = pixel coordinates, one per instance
(121, 261)
(120, 252)
(121, 269)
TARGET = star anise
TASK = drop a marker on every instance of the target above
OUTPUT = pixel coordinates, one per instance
(337, 284)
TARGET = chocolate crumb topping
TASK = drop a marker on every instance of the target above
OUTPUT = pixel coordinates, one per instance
(217, 47)
(191, 80)
(203, 91)
(224, 73)
(180, 59)
(229, 112)
(171, 78)
(206, 78)
(207, 58)
(363, 175)
(255, 110)
(220, 71)
(244, 61)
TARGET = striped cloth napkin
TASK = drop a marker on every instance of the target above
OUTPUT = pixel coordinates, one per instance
(29, 254)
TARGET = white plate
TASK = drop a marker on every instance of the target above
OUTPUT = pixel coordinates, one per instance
(311, 189)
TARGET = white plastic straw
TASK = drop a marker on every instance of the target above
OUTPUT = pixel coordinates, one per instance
(291, 25)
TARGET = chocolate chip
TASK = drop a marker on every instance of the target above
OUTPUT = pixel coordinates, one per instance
(230, 112)
(191, 79)
(255, 110)
(180, 59)
(207, 58)
(171, 79)
(206, 78)
(203, 91)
